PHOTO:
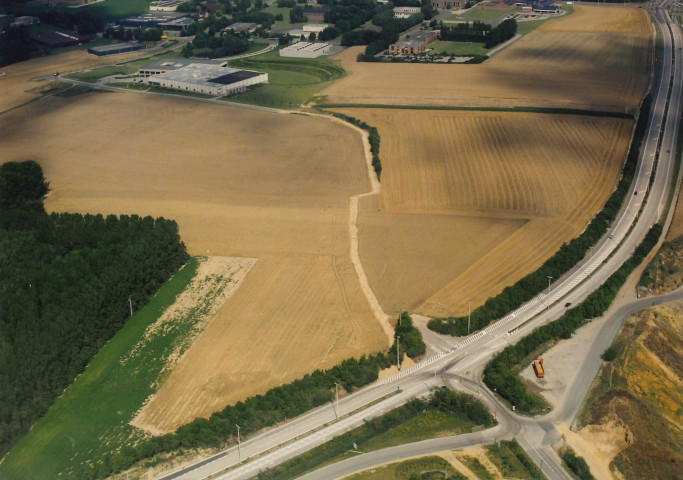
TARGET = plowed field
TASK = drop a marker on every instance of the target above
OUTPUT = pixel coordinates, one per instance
(503, 190)
(596, 58)
(240, 183)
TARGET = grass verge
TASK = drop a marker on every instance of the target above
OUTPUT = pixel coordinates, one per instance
(91, 417)
(512, 461)
(423, 468)
(291, 81)
(445, 413)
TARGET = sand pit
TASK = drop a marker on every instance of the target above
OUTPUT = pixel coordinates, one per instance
(239, 183)
(505, 191)
(596, 58)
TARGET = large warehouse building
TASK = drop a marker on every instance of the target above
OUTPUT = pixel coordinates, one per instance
(306, 50)
(116, 48)
(208, 79)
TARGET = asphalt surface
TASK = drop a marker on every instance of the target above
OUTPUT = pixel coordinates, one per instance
(465, 355)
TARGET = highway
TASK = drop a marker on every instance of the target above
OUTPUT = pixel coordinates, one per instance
(640, 212)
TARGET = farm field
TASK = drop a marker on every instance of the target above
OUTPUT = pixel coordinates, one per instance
(235, 189)
(22, 84)
(524, 182)
(604, 69)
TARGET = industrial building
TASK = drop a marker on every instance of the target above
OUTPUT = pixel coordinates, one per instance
(208, 79)
(415, 44)
(61, 38)
(166, 5)
(306, 50)
(242, 27)
(314, 27)
(116, 48)
(405, 12)
(316, 14)
(152, 19)
(168, 64)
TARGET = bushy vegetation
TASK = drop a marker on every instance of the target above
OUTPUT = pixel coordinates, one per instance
(459, 405)
(410, 342)
(562, 261)
(80, 20)
(373, 138)
(512, 460)
(576, 464)
(499, 373)
(212, 46)
(65, 284)
(255, 413)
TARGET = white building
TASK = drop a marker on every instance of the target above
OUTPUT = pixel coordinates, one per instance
(306, 50)
(208, 79)
(405, 12)
(314, 27)
(166, 5)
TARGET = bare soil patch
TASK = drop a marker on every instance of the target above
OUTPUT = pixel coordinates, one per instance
(482, 197)
(241, 184)
(596, 58)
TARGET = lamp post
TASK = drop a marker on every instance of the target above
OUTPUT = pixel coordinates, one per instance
(239, 443)
(336, 394)
(398, 361)
(469, 315)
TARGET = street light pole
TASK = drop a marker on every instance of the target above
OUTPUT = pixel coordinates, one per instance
(239, 443)
(336, 394)
(469, 315)
(130, 304)
(398, 361)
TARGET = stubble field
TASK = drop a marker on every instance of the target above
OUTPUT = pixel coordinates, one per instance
(239, 183)
(473, 201)
(24, 81)
(596, 58)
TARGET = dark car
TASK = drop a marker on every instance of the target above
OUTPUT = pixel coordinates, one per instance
(568, 304)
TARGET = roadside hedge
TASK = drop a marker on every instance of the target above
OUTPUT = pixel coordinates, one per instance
(499, 373)
(512, 297)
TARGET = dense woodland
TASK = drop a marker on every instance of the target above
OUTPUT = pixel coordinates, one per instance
(65, 283)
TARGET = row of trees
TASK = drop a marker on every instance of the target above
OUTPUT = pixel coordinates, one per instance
(499, 373)
(65, 283)
(512, 297)
(255, 413)
(213, 46)
(373, 139)
(139, 34)
(479, 32)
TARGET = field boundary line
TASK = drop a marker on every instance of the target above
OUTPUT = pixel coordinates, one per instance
(521, 109)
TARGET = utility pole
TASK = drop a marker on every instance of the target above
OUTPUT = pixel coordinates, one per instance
(549, 279)
(469, 316)
(130, 304)
(336, 394)
(239, 443)
(398, 361)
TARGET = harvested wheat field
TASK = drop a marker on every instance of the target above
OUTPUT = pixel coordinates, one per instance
(23, 81)
(503, 191)
(240, 183)
(596, 58)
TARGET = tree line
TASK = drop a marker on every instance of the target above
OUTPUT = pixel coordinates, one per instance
(479, 32)
(499, 373)
(512, 297)
(373, 139)
(65, 284)
(255, 413)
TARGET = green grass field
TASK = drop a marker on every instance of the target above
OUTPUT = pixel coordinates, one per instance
(457, 48)
(112, 10)
(291, 81)
(91, 418)
(431, 468)
(481, 14)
